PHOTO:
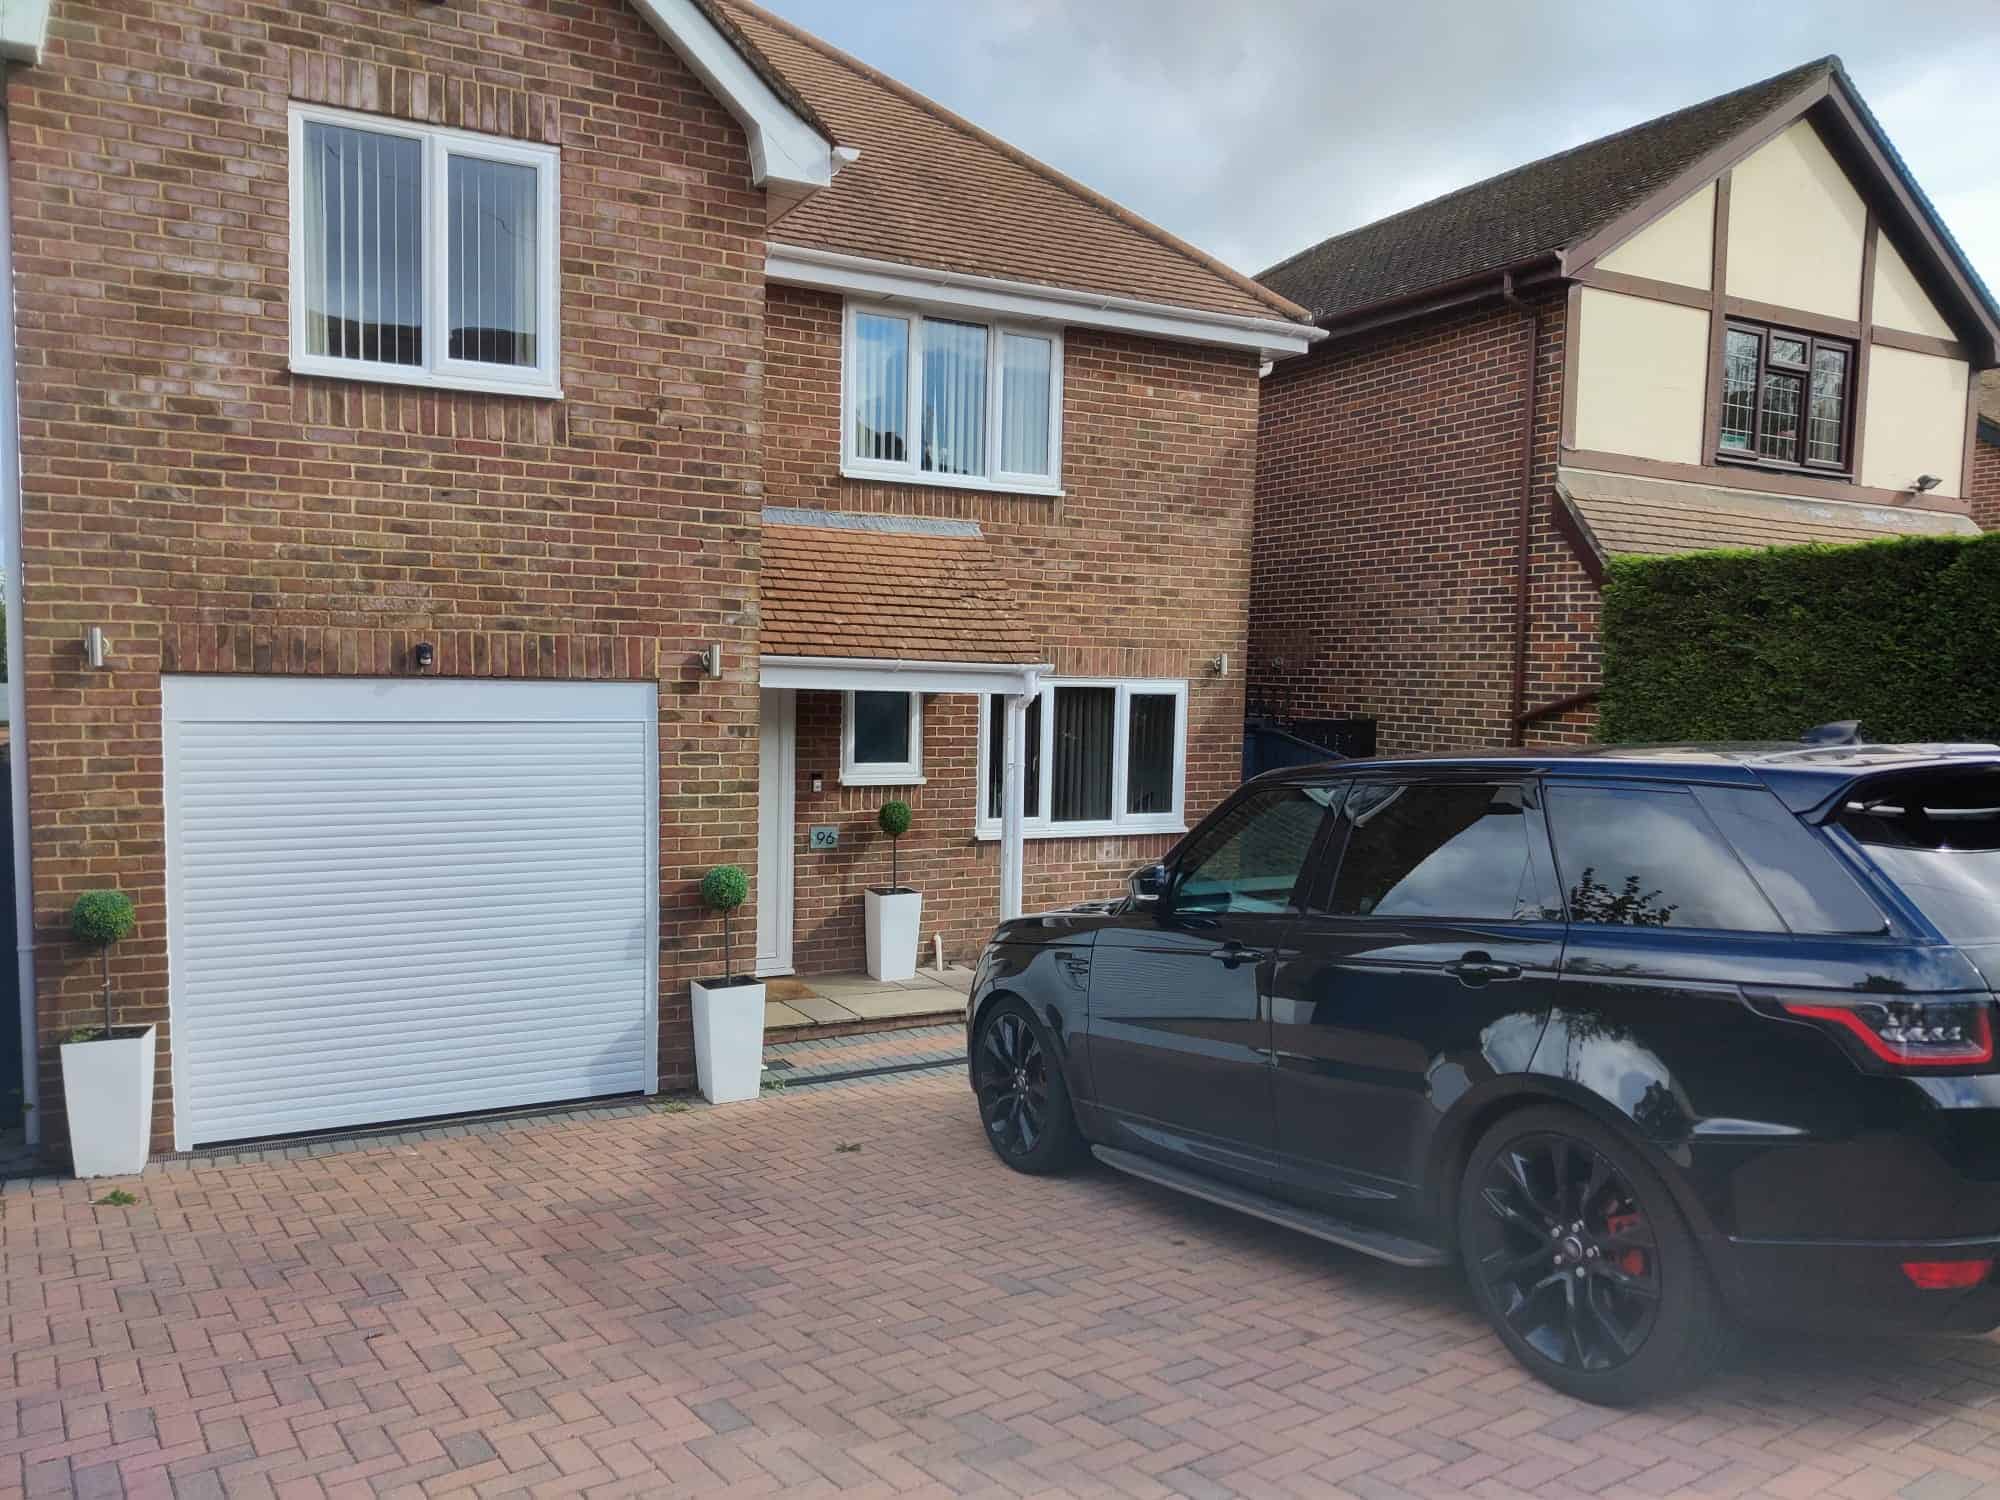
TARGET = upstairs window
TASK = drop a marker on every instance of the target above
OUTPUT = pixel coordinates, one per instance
(422, 256)
(950, 401)
(1787, 398)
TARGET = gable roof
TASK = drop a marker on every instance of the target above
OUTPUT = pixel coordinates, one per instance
(931, 189)
(1559, 213)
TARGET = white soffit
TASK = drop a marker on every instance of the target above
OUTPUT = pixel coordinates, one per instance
(24, 27)
(788, 156)
(896, 281)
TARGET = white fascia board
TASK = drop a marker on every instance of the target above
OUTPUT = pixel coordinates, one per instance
(892, 675)
(24, 29)
(895, 281)
(787, 154)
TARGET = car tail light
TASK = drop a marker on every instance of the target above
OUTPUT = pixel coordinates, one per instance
(1950, 1032)
(1946, 1275)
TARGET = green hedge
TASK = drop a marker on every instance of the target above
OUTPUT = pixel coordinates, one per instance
(1903, 635)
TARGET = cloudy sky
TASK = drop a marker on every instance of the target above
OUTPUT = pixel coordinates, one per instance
(1257, 127)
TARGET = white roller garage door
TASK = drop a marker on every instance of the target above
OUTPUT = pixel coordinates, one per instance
(389, 899)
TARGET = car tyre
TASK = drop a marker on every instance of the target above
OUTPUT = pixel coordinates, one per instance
(1024, 1103)
(1583, 1263)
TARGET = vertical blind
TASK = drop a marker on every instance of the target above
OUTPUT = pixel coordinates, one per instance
(954, 397)
(996, 756)
(880, 387)
(1085, 724)
(492, 211)
(1024, 403)
(1149, 762)
(363, 250)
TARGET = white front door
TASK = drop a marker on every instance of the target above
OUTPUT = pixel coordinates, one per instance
(776, 811)
(394, 899)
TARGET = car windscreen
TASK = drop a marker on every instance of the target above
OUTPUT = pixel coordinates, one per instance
(1938, 838)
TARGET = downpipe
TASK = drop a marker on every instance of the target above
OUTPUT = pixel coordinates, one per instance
(1517, 712)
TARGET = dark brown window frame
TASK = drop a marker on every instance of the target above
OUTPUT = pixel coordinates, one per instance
(1751, 457)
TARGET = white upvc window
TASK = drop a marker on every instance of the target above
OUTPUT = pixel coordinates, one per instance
(881, 739)
(952, 401)
(1104, 756)
(423, 256)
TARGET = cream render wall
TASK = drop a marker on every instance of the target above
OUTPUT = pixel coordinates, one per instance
(1915, 422)
(1796, 227)
(1678, 246)
(1899, 301)
(1641, 376)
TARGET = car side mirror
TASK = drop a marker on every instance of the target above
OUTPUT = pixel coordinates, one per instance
(1150, 885)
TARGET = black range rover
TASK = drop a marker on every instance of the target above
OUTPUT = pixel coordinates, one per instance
(1643, 1038)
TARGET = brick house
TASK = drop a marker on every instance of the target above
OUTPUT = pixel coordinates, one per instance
(515, 455)
(1985, 490)
(1740, 324)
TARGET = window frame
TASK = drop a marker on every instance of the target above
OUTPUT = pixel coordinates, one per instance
(1121, 823)
(882, 772)
(1750, 457)
(438, 371)
(911, 470)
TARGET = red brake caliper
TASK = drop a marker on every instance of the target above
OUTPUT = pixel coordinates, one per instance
(1632, 1262)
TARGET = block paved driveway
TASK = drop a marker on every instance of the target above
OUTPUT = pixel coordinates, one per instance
(726, 1301)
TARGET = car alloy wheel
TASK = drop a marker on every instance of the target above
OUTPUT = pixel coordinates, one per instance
(1012, 1076)
(1566, 1256)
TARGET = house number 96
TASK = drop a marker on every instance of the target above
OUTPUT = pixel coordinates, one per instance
(824, 836)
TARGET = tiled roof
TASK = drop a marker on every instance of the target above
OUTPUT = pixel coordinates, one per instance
(1625, 514)
(1525, 213)
(865, 586)
(931, 189)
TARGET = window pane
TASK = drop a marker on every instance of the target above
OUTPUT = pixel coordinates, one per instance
(1939, 841)
(1435, 851)
(363, 245)
(878, 382)
(493, 244)
(1025, 368)
(1149, 753)
(1791, 864)
(1829, 392)
(1779, 437)
(1739, 388)
(1250, 859)
(881, 729)
(1787, 351)
(1650, 859)
(996, 756)
(1082, 783)
(954, 398)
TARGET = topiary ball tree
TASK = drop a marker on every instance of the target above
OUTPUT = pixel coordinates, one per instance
(894, 820)
(99, 920)
(723, 889)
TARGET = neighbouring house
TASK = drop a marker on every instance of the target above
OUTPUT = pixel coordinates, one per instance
(1738, 325)
(1985, 490)
(521, 453)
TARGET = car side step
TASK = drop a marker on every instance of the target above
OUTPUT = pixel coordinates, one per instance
(1369, 1241)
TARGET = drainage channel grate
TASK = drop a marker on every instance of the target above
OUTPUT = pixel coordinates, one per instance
(797, 1078)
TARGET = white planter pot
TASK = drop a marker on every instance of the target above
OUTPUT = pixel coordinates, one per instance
(108, 1095)
(728, 1041)
(895, 922)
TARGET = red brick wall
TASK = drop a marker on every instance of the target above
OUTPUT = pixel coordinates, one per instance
(1139, 570)
(214, 513)
(1389, 485)
(1985, 489)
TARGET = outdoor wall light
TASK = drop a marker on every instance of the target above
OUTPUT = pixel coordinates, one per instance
(711, 660)
(1220, 666)
(423, 654)
(1926, 483)
(96, 646)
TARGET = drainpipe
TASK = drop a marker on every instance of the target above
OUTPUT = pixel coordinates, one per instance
(17, 693)
(1517, 715)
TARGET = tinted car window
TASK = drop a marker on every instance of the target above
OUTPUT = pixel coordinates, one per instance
(1791, 864)
(1434, 850)
(1650, 858)
(1939, 840)
(1249, 859)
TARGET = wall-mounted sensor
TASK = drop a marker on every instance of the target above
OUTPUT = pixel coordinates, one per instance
(423, 655)
(96, 646)
(818, 783)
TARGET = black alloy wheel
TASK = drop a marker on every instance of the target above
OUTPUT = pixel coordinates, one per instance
(1022, 1101)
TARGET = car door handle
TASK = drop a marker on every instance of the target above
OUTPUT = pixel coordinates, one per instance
(1233, 953)
(1480, 968)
